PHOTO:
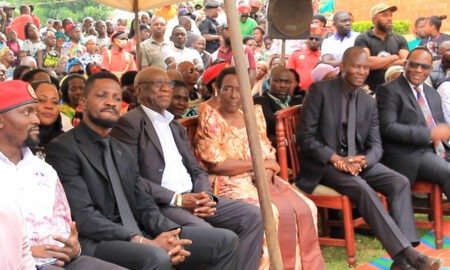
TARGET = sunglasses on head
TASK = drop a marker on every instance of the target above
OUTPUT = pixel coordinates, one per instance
(416, 65)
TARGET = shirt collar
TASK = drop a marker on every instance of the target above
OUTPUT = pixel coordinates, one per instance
(278, 101)
(338, 37)
(166, 116)
(26, 156)
(412, 86)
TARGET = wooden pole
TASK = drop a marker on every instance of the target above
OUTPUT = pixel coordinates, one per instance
(252, 133)
(137, 33)
(283, 52)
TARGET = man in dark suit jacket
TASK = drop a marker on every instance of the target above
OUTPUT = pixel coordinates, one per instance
(409, 140)
(98, 207)
(172, 175)
(349, 163)
(277, 98)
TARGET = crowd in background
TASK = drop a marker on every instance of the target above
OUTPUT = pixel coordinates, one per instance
(187, 50)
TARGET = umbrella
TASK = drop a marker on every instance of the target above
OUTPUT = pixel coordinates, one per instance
(247, 104)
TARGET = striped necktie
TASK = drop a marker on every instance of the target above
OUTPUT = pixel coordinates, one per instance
(440, 150)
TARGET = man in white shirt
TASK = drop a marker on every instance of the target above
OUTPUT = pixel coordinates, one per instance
(50, 229)
(179, 52)
(334, 46)
(173, 176)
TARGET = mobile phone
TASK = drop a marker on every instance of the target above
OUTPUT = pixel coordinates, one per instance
(41, 262)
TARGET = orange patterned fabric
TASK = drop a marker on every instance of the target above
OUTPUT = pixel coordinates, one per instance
(295, 214)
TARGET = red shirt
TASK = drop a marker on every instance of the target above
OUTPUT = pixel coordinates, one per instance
(227, 55)
(304, 61)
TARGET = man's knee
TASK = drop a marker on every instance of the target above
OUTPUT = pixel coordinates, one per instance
(159, 259)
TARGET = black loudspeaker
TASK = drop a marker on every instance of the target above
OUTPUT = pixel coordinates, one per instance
(289, 19)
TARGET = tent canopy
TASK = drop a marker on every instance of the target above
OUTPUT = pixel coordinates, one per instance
(141, 5)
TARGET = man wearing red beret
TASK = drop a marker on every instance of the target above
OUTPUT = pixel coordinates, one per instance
(246, 24)
(52, 234)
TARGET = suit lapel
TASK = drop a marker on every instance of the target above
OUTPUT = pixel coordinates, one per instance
(151, 132)
(433, 107)
(336, 101)
(90, 150)
(404, 85)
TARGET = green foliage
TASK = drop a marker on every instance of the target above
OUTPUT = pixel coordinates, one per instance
(400, 27)
(77, 10)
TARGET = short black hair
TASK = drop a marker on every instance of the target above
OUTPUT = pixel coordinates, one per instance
(27, 25)
(247, 38)
(65, 86)
(223, 73)
(36, 85)
(128, 78)
(98, 76)
(20, 71)
(260, 29)
(177, 83)
(28, 77)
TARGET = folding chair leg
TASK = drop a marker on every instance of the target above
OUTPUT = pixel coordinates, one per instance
(437, 215)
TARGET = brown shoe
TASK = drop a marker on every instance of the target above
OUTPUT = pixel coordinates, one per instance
(428, 263)
(402, 264)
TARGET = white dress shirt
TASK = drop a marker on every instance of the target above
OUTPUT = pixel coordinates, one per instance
(444, 92)
(41, 196)
(336, 46)
(185, 54)
(175, 176)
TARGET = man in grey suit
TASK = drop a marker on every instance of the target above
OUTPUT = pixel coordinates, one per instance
(412, 124)
(341, 148)
(173, 176)
(118, 221)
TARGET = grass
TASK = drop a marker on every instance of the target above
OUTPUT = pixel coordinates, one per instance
(367, 249)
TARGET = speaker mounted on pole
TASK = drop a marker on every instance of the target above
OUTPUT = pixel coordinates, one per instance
(289, 19)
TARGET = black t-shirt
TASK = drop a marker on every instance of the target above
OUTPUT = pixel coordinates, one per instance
(209, 26)
(392, 44)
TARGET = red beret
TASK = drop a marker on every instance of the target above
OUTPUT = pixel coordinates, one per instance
(244, 9)
(316, 31)
(14, 94)
(212, 72)
(69, 27)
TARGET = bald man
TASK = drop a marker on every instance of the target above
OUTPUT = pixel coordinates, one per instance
(341, 148)
(172, 175)
(277, 98)
(190, 77)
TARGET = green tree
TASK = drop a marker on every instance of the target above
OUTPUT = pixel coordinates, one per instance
(74, 9)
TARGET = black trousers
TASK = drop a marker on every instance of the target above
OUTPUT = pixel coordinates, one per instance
(242, 218)
(436, 170)
(395, 233)
(211, 247)
(86, 263)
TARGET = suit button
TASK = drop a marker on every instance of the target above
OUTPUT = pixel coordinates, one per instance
(160, 170)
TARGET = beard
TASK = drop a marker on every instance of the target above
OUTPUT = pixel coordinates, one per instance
(384, 28)
(102, 122)
(30, 141)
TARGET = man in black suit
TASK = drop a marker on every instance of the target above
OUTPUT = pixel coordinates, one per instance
(341, 148)
(118, 221)
(172, 175)
(412, 124)
(277, 98)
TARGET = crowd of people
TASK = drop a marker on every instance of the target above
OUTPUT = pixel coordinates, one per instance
(99, 174)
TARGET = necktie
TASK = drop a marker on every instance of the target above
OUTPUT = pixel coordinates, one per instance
(126, 215)
(351, 125)
(440, 150)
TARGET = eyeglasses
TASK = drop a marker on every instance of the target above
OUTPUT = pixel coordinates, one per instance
(416, 65)
(81, 72)
(314, 38)
(159, 84)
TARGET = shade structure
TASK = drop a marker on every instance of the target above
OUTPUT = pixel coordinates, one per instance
(137, 5)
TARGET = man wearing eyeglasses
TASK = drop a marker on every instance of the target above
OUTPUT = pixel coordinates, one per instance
(305, 60)
(412, 124)
(172, 174)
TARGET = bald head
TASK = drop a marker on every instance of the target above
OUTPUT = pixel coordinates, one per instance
(351, 53)
(355, 67)
(444, 50)
(277, 70)
(147, 74)
(154, 89)
(189, 73)
(174, 75)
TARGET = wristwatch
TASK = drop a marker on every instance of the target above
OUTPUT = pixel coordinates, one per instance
(179, 200)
